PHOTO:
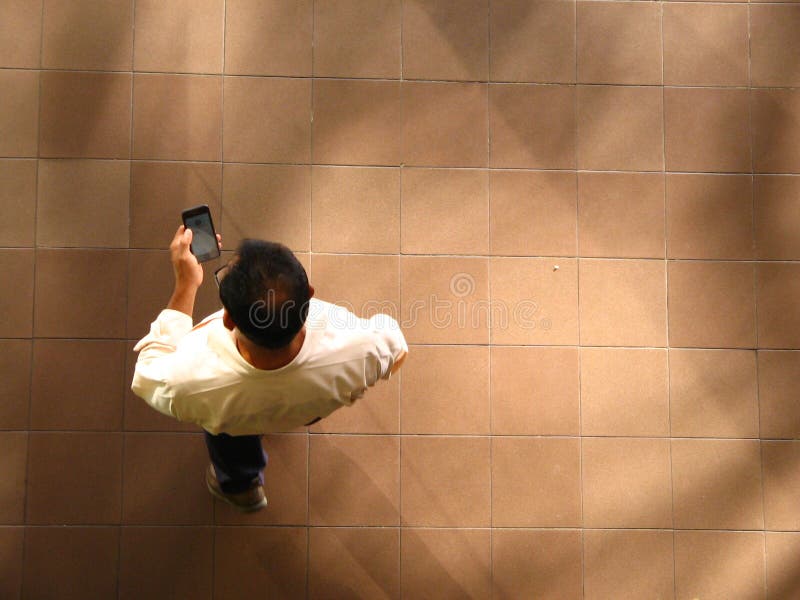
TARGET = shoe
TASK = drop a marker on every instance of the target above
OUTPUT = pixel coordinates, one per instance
(248, 501)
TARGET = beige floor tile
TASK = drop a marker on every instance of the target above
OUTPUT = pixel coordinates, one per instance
(53, 461)
(774, 45)
(696, 36)
(17, 301)
(15, 371)
(160, 191)
(272, 37)
(619, 42)
(707, 130)
(623, 303)
(267, 120)
(777, 288)
(777, 217)
(719, 564)
(446, 481)
(439, 396)
(12, 546)
(628, 564)
(536, 482)
(342, 560)
(182, 499)
(14, 446)
(80, 293)
(183, 36)
(354, 480)
(717, 484)
(713, 393)
(355, 209)
(535, 391)
(61, 369)
(778, 381)
(445, 124)
(241, 572)
(446, 39)
(18, 198)
(89, 564)
(620, 128)
(21, 34)
(444, 300)
(88, 35)
(783, 553)
(268, 202)
(711, 304)
(19, 114)
(75, 195)
(445, 211)
(357, 122)
(626, 483)
(532, 126)
(177, 117)
(624, 392)
(533, 302)
(710, 216)
(776, 130)
(445, 563)
(536, 564)
(621, 215)
(357, 38)
(153, 559)
(533, 41)
(781, 484)
(532, 213)
(339, 278)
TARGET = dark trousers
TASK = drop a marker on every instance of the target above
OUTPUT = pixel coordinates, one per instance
(238, 460)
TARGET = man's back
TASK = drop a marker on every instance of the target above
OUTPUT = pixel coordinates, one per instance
(205, 380)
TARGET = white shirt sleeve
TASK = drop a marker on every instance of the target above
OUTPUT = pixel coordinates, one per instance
(390, 344)
(152, 377)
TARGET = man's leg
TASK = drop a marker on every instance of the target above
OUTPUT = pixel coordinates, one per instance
(238, 461)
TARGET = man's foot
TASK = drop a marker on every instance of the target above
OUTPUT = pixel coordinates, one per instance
(248, 501)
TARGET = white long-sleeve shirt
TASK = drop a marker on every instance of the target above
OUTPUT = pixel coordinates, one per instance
(196, 374)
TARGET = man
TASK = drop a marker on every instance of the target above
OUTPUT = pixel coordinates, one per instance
(272, 359)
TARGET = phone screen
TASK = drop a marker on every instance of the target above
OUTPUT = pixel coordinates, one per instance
(204, 241)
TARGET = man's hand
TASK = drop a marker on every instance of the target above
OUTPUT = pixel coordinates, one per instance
(188, 272)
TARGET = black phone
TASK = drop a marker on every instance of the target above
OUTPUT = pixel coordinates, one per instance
(204, 237)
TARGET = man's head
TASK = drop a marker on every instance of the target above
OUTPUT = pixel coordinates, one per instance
(266, 294)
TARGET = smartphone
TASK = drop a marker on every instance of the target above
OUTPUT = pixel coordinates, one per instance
(204, 237)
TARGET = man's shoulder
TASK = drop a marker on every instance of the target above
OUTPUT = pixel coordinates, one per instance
(335, 327)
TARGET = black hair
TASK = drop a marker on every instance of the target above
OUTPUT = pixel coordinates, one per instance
(265, 292)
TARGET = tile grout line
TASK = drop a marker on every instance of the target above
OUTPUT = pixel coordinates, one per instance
(400, 293)
(221, 222)
(310, 242)
(666, 300)
(578, 302)
(123, 444)
(425, 167)
(431, 81)
(754, 247)
(21, 588)
(416, 435)
(144, 524)
(489, 284)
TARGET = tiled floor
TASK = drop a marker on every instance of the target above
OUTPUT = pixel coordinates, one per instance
(585, 214)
